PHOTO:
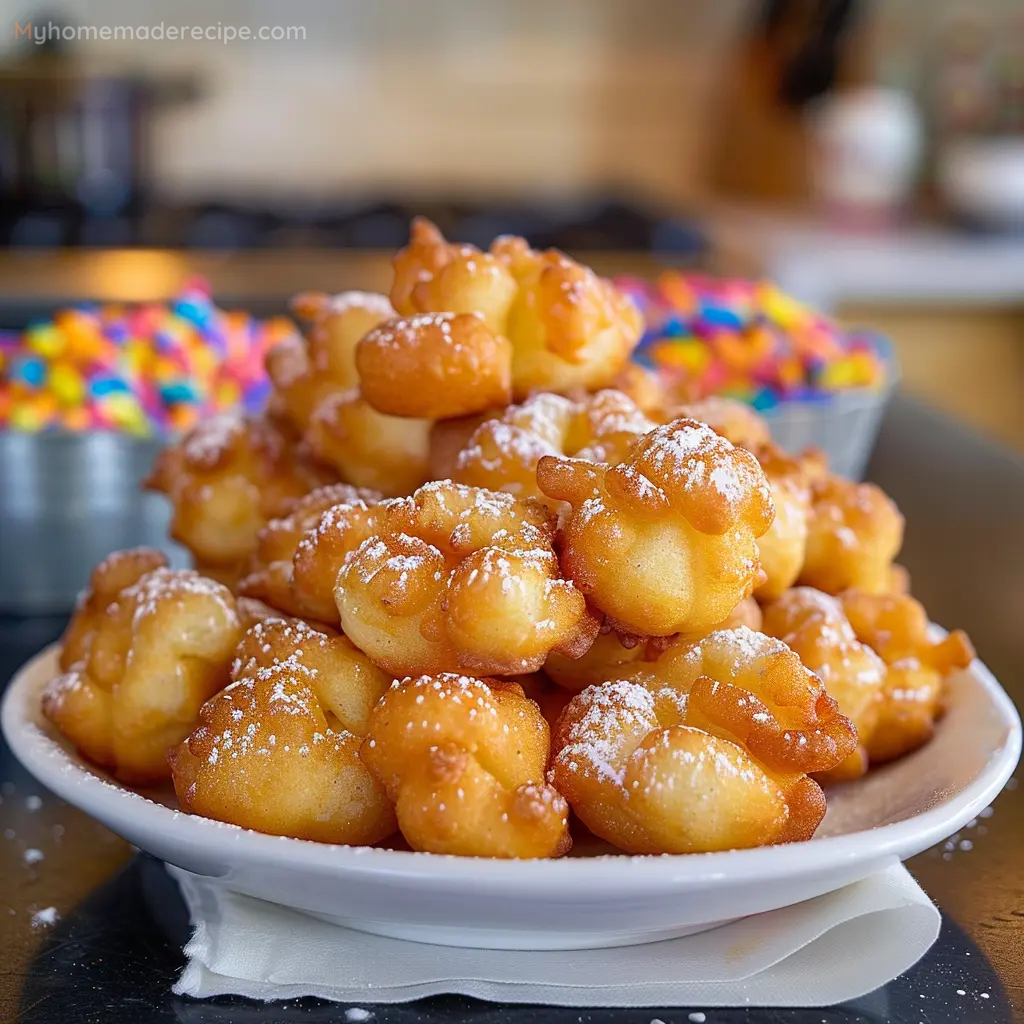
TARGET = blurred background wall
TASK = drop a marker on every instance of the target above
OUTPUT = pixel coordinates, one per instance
(854, 150)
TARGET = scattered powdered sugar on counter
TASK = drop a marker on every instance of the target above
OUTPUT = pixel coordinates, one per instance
(33, 803)
(32, 856)
(357, 1013)
(45, 918)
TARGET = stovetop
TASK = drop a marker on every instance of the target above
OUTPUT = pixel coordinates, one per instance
(574, 224)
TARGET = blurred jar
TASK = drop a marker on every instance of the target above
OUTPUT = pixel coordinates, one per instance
(866, 147)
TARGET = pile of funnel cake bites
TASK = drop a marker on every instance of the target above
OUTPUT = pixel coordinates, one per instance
(476, 579)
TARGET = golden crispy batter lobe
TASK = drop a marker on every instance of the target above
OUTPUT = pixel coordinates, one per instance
(645, 388)
(116, 572)
(663, 542)
(610, 657)
(435, 366)
(854, 533)
(457, 579)
(449, 437)
(502, 454)
(278, 750)
(225, 480)
(782, 549)
(161, 648)
(390, 454)
(305, 371)
(815, 626)
(568, 327)
(736, 421)
(463, 760)
(615, 655)
(706, 749)
(316, 384)
(271, 574)
(897, 628)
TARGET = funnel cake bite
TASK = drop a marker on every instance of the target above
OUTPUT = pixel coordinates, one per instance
(666, 541)
(459, 579)
(854, 533)
(435, 366)
(568, 328)
(707, 749)
(115, 573)
(306, 370)
(463, 760)
(815, 626)
(783, 548)
(502, 454)
(159, 649)
(278, 750)
(316, 383)
(897, 628)
(271, 575)
(225, 480)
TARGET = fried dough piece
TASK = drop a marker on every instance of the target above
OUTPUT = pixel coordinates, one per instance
(390, 454)
(226, 479)
(435, 366)
(708, 749)
(115, 573)
(316, 381)
(854, 533)
(278, 750)
(614, 655)
(815, 626)
(665, 541)
(158, 650)
(503, 453)
(270, 576)
(783, 548)
(455, 579)
(463, 760)
(568, 328)
(897, 628)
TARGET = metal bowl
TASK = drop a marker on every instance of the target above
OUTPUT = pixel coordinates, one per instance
(66, 501)
(845, 426)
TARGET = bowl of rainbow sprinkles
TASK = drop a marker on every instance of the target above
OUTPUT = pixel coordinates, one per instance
(87, 400)
(818, 384)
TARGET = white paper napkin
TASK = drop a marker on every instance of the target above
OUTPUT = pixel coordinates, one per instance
(823, 951)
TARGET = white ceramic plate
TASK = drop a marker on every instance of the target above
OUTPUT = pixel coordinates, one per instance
(577, 902)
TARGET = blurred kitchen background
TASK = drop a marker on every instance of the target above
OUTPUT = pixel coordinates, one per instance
(868, 156)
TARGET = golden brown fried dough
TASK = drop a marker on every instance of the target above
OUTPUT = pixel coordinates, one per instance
(435, 366)
(159, 649)
(458, 579)
(270, 576)
(897, 628)
(783, 548)
(568, 327)
(706, 749)
(503, 453)
(664, 542)
(278, 750)
(854, 534)
(463, 760)
(814, 625)
(226, 479)
(115, 573)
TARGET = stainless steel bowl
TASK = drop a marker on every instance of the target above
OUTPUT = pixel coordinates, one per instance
(66, 501)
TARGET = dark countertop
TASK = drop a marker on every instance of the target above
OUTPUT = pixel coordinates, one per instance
(115, 950)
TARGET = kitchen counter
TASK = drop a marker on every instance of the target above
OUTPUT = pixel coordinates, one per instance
(115, 950)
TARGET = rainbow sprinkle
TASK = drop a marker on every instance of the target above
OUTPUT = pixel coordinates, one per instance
(146, 370)
(748, 340)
